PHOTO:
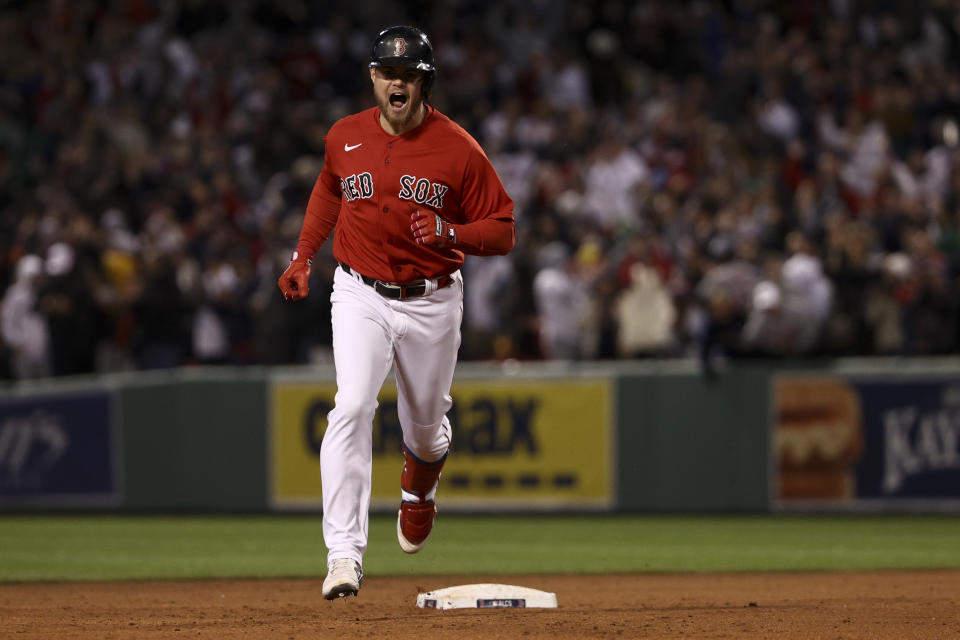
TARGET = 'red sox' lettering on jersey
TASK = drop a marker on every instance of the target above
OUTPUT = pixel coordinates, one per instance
(419, 190)
(423, 191)
(437, 167)
(357, 186)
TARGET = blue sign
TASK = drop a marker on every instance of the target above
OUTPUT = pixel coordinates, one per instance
(912, 443)
(58, 448)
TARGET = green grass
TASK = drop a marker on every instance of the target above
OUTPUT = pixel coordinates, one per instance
(142, 547)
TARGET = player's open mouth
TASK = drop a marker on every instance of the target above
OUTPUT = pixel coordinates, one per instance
(398, 100)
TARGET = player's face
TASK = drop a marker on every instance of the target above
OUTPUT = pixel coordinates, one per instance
(399, 94)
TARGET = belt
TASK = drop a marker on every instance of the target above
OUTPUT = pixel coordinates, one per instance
(396, 290)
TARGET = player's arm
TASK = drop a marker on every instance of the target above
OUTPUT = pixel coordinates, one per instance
(319, 220)
(487, 237)
(490, 230)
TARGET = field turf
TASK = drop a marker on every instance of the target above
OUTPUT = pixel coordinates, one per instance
(110, 547)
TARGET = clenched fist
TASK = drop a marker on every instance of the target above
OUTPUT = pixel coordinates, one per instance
(429, 228)
(294, 281)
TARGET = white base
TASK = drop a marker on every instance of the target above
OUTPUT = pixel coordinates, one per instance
(486, 596)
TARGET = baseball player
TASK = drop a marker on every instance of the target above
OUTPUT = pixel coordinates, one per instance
(409, 192)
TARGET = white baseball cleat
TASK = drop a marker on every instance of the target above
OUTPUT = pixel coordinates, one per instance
(344, 577)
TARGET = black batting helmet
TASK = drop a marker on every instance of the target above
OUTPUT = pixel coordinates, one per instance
(402, 46)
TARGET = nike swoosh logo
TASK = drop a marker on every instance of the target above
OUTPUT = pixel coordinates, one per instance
(351, 147)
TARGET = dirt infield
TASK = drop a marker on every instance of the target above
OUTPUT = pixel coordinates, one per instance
(796, 605)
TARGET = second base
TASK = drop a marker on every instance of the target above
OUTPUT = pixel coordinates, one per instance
(486, 596)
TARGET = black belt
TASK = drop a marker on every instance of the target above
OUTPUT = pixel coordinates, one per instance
(396, 290)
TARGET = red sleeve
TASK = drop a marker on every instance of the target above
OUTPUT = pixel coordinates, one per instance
(323, 209)
(488, 207)
(485, 237)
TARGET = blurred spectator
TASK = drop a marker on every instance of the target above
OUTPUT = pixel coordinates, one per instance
(805, 286)
(778, 325)
(883, 307)
(66, 299)
(645, 315)
(160, 316)
(724, 297)
(562, 303)
(22, 326)
(487, 303)
(613, 175)
(852, 261)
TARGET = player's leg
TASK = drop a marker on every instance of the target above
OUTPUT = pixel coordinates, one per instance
(363, 354)
(426, 355)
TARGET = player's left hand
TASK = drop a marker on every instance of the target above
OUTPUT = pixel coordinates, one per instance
(431, 229)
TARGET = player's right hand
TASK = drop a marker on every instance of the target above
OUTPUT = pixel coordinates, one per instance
(294, 283)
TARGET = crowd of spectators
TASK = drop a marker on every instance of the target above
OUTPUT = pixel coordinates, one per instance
(747, 177)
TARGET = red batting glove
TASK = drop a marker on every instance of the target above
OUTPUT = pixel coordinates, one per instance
(294, 281)
(431, 229)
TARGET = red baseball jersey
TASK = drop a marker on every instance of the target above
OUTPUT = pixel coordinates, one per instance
(377, 180)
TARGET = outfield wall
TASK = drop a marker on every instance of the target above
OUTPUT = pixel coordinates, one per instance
(874, 435)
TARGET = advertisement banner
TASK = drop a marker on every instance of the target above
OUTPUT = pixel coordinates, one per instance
(516, 444)
(866, 442)
(913, 448)
(58, 450)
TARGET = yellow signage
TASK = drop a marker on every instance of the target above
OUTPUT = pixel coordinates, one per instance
(517, 443)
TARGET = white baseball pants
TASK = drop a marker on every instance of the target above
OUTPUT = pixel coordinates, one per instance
(420, 337)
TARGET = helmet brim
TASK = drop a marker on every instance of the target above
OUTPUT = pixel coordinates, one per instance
(391, 61)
